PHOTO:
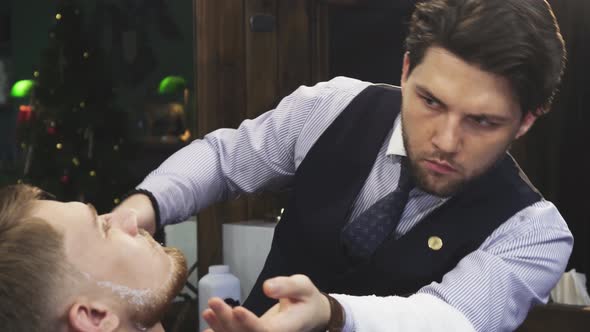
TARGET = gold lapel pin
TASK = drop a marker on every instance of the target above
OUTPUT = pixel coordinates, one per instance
(435, 243)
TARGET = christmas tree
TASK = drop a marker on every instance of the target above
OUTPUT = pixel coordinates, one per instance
(75, 144)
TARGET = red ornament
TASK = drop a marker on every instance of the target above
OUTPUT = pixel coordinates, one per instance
(64, 179)
(25, 113)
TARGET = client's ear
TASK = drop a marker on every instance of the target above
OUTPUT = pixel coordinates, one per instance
(87, 316)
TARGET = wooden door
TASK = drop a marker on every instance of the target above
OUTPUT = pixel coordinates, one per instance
(244, 65)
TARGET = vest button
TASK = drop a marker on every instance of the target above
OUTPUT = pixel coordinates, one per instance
(435, 243)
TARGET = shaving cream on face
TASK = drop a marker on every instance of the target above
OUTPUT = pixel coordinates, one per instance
(147, 300)
(139, 297)
(134, 296)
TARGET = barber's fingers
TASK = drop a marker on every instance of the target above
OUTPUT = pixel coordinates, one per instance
(295, 287)
(157, 328)
(248, 321)
(222, 317)
(211, 320)
(125, 219)
(122, 213)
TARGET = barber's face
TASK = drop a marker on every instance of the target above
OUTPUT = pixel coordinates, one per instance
(457, 120)
(119, 259)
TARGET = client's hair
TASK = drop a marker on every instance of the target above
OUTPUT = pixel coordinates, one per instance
(33, 265)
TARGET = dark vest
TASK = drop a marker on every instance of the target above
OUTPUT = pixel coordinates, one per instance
(307, 239)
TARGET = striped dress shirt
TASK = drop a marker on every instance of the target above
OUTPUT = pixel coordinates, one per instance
(492, 288)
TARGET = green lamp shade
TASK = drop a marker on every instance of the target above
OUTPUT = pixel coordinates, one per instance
(22, 88)
(171, 85)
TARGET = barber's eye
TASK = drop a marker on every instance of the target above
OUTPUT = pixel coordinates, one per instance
(430, 102)
(484, 122)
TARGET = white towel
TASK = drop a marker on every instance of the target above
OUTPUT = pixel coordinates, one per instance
(571, 289)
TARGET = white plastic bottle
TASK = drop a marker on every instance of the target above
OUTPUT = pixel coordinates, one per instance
(219, 282)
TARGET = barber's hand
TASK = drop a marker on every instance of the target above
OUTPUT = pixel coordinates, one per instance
(138, 206)
(301, 308)
(125, 218)
(157, 328)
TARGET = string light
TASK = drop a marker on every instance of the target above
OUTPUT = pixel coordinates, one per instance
(82, 104)
(58, 16)
(116, 148)
(92, 173)
(86, 55)
(116, 201)
(76, 161)
(186, 136)
(59, 146)
(36, 73)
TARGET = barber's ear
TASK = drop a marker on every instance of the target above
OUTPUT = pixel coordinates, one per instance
(526, 124)
(405, 69)
(86, 316)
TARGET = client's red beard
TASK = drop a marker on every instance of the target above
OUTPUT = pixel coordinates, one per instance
(150, 314)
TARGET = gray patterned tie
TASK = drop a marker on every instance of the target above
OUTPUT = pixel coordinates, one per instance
(363, 235)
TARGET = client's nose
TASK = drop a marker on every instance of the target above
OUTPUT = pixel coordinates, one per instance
(126, 221)
(130, 225)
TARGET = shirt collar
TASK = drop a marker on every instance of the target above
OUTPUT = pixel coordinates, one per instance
(396, 142)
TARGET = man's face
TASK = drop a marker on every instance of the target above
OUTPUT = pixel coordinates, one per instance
(122, 262)
(457, 120)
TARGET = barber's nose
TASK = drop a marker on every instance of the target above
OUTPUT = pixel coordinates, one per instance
(447, 136)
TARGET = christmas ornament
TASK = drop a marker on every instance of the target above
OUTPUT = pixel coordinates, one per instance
(25, 113)
(22, 88)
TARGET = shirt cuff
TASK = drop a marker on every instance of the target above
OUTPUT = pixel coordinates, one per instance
(348, 318)
(419, 312)
(154, 202)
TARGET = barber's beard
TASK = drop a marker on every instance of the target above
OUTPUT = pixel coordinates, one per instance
(438, 186)
(152, 311)
(443, 185)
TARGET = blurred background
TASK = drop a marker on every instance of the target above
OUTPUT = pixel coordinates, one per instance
(93, 94)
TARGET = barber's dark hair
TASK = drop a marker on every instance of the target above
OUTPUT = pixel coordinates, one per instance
(516, 39)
